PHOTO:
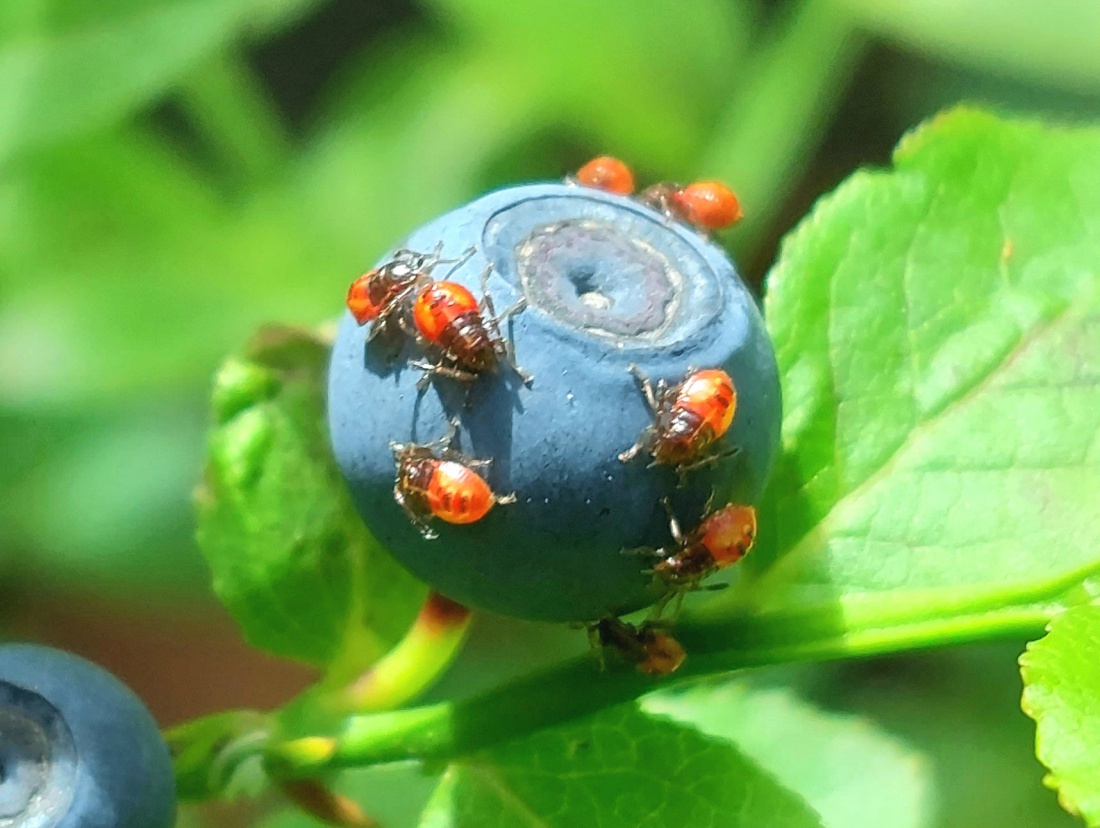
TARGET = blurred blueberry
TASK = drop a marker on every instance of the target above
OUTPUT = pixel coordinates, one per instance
(608, 283)
(77, 748)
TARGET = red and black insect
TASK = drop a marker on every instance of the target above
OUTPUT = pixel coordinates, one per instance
(605, 173)
(722, 538)
(705, 205)
(467, 333)
(648, 646)
(380, 294)
(688, 419)
(435, 480)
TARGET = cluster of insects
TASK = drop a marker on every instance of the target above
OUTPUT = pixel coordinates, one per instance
(689, 419)
(702, 205)
(401, 297)
(461, 339)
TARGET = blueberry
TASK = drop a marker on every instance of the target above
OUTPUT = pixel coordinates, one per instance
(77, 748)
(608, 282)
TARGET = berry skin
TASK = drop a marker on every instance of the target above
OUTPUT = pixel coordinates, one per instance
(607, 283)
(77, 748)
(606, 173)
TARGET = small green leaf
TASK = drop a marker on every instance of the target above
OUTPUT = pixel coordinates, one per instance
(618, 768)
(938, 332)
(851, 772)
(291, 558)
(69, 67)
(1062, 693)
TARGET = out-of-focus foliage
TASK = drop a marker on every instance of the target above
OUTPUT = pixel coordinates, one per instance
(156, 205)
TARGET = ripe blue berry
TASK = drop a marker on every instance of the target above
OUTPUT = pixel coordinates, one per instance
(608, 284)
(77, 748)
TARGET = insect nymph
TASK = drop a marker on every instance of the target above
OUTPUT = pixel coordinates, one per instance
(435, 480)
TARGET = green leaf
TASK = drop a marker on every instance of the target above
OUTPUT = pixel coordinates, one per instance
(618, 768)
(71, 66)
(960, 708)
(291, 558)
(938, 332)
(852, 773)
(1062, 693)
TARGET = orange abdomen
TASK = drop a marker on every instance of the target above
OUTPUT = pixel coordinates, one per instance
(439, 305)
(458, 494)
(709, 204)
(367, 297)
(728, 534)
(607, 173)
(709, 395)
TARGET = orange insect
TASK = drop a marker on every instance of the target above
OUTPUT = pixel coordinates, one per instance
(688, 419)
(385, 290)
(606, 173)
(721, 539)
(467, 333)
(705, 205)
(651, 649)
(434, 480)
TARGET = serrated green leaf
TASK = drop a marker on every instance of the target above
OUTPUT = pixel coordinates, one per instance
(618, 768)
(938, 330)
(69, 67)
(291, 558)
(1062, 693)
(851, 772)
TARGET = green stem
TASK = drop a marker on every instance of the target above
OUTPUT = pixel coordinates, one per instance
(234, 113)
(450, 729)
(792, 87)
(415, 664)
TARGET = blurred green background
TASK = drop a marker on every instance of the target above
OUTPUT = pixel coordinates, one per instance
(175, 172)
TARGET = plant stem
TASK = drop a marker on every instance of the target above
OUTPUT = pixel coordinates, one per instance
(417, 661)
(234, 113)
(450, 729)
(775, 119)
